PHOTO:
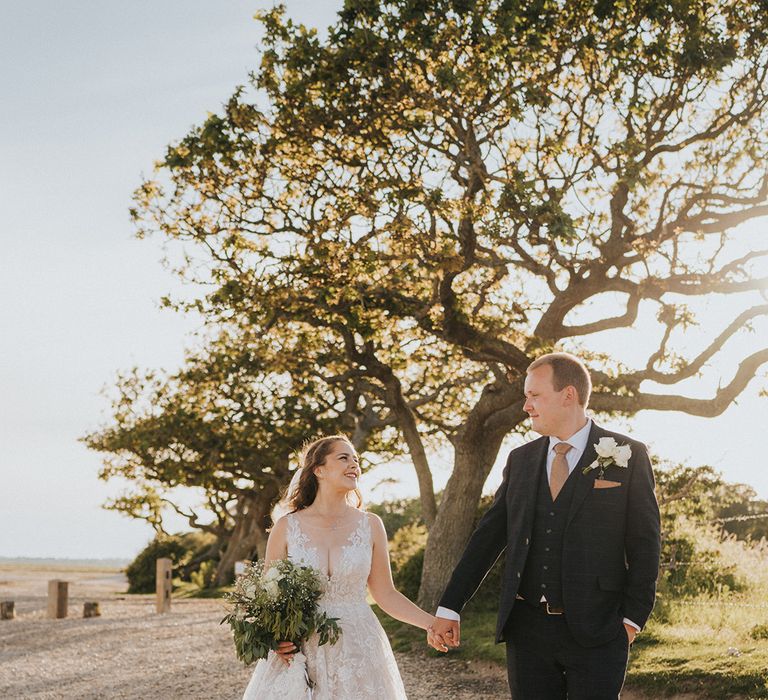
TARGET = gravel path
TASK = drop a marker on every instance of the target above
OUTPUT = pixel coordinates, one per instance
(130, 652)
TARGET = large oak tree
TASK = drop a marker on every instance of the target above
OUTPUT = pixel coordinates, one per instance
(447, 188)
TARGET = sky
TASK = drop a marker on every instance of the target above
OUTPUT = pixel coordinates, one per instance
(92, 92)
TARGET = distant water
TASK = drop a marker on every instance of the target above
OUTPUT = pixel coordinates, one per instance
(65, 562)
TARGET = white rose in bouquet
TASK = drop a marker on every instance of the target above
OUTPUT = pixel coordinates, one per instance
(271, 574)
(272, 589)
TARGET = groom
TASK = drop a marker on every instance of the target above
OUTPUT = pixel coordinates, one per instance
(582, 547)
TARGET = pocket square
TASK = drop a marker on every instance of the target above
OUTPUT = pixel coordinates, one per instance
(606, 484)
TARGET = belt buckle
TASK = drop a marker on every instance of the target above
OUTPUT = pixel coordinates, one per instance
(551, 612)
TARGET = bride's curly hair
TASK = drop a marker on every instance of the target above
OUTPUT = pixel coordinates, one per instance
(314, 455)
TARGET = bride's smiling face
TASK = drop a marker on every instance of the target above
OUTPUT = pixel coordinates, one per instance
(341, 468)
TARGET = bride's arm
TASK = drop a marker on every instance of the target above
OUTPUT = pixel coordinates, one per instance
(277, 548)
(382, 588)
(277, 543)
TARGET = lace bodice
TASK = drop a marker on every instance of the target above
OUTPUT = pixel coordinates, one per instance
(347, 582)
(360, 666)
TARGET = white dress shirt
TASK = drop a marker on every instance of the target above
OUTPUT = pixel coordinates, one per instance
(578, 442)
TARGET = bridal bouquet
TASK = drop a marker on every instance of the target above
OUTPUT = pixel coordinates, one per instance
(277, 605)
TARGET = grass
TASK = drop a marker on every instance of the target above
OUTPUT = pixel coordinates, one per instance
(711, 646)
(703, 646)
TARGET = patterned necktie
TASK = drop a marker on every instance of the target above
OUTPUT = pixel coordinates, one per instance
(559, 471)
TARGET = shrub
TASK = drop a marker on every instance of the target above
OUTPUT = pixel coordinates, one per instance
(142, 570)
(180, 549)
(696, 561)
(397, 513)
(408, 577)
(406, 552)
(203, 577)
(406, 542)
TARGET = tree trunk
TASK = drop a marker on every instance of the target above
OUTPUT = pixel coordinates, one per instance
(448, 536)
(248, 539)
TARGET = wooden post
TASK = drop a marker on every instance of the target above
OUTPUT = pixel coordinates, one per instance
(91, 609)
(58, 594)
(163, 585)
(7, 611)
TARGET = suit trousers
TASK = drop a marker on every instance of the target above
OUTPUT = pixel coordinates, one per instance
(545, 662)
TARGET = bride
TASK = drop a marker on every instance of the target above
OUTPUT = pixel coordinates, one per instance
(326, 528)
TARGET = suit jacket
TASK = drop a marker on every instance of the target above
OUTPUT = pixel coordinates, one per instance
(611, 543)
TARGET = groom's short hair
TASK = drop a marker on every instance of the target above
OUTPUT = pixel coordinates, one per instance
(567, 370)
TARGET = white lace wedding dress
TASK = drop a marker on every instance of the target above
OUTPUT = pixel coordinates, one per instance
(360, 666)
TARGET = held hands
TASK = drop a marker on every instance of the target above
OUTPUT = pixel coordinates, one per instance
(443, 633)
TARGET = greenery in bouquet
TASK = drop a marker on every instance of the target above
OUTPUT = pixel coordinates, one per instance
(276, 605)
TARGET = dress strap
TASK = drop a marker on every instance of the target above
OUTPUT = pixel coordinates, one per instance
(300, 547)
(296, 536)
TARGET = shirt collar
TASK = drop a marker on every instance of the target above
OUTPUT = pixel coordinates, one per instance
(578, 441)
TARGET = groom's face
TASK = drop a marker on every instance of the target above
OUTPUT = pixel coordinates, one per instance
(547, 408)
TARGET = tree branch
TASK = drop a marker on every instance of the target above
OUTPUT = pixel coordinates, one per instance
(706, 408)
(692, 367)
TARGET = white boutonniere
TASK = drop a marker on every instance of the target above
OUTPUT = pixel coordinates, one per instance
(609, 453)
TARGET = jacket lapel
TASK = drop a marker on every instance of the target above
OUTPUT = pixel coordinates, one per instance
(584, 482)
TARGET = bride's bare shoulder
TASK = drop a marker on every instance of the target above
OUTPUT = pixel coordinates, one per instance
(281, 526)
(277, 542)
(376, 523)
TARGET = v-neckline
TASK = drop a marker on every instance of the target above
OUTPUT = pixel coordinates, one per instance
(308, 542)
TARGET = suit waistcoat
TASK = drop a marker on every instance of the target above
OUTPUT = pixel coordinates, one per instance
(543, 566)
